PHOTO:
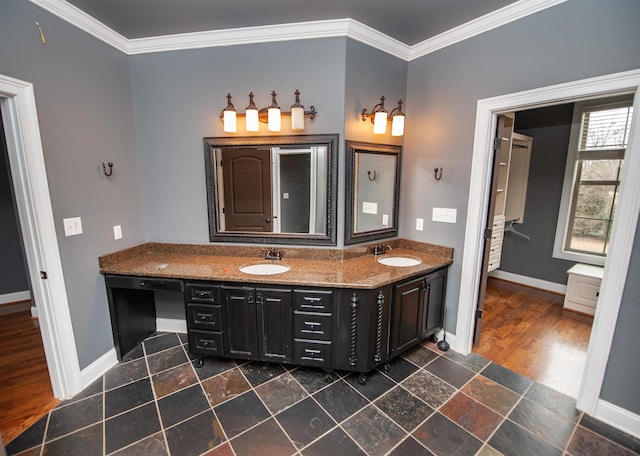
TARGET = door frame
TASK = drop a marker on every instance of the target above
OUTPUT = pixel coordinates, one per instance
(28, 172)
(624, 226)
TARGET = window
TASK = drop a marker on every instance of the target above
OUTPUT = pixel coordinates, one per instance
(598, 142)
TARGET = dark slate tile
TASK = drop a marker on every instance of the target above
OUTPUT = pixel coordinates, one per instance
(124, 373)
(511, 439)
(335, 443)
(221, 450)
(491, 394)
(508, 378)
(310, 378)
(410, 447)
(160, 343)
(86, 441)
(225, 386)
(213, 366)
(95, 388)
(374, 432)
(542, 422)
(184, 338)
(266, 439)
(444, 437)
(399, 369)
(488, 451)
(420, 356)
(35, 451)
(196, 435)
(450, 371)
(429, 388)
(305, 422)
(31, 437)
(127, 397)
(611, 433)
(555, 401)
(136, 353)
(151, 446)
(281, 392)
(340, 400)
(182, 405)
(377, 384)
(586, 442)
(173, 380)
(130, 427)
(241, 413)
(73, 417)
(166, 359)
(476, 418)
(259, 372)
(472, 361)
(404, 408)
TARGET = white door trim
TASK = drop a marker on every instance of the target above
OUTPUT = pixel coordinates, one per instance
(38, 232)
(623, 230)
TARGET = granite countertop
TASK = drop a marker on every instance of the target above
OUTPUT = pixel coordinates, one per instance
(352, 267)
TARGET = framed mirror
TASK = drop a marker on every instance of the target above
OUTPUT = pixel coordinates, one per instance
(372, 183)
(272, 189)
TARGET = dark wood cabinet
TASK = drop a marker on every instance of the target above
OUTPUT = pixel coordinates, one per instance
(434, 302)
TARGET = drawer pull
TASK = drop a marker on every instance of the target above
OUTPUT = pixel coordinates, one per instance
(205, 343)
(312, 351)
(204, 317)
(310, 306)
(312, 299)
(313, 324)
(203, 294)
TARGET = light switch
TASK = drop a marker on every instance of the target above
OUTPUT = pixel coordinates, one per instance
(445, 215)
(285, 196)
(117, 232)
(72, 226)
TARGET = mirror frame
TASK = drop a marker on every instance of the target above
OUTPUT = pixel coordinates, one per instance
(352, 148)
(328, 238)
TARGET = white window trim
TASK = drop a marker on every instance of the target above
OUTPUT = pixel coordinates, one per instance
(568, 187)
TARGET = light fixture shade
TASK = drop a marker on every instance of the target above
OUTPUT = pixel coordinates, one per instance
(252, 120)
(380, 123)
(297, 118)
(229, 121)
(273, 119)
(397, 125)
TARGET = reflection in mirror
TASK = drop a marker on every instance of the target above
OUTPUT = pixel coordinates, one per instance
(272, 189)
(372, 184)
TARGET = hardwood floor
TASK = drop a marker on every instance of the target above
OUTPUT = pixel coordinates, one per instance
(526, 330)
(25, 387)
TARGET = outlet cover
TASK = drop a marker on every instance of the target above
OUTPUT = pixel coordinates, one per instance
(385, 219)
(444, 215)
(419, 224)
(72, 226)
(117, 232)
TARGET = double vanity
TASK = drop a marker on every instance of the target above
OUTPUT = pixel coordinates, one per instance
(343, 309)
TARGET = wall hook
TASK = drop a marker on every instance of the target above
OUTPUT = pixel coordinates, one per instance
(437, 173)
(104, 169)
(44, 41)
(369, 175)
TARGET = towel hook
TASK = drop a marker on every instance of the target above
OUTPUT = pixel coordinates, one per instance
(369, 175)
(437, 173)
(104, 169)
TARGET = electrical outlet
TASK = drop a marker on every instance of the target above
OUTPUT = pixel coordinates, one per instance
(72, 226)
(444, 215)
(419, 224)
(117, 232)
(385, 219)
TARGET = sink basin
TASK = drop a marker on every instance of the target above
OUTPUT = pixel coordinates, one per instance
(398, 261)
(264, 269)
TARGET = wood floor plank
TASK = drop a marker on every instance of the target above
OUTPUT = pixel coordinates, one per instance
(527, 330)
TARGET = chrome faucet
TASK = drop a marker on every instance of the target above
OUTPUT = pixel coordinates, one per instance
(273, 254)
(380, 249)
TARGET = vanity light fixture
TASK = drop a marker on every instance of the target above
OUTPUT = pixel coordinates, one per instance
(272, 115)
(379, 117)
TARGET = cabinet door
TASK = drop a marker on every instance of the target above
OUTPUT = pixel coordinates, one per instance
(274, 324)
(240, 313)
(408, 302)
(434, 302)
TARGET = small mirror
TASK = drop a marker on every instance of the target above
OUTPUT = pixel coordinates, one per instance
(272, 189)
(372, 182)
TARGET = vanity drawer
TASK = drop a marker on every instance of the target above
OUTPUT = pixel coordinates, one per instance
(313, 300)
(205, 343)
(143, 283)
(204, 317)
(196, 292)
(310, 353)
(312, 325)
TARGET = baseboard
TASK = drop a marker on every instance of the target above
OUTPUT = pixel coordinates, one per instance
(618, 417)
(93, 371)
(530, 281)
(14, 307)
(171, 325)
(16, 296)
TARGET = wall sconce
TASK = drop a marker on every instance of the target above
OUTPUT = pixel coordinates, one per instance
(272, 115)
(379, 116)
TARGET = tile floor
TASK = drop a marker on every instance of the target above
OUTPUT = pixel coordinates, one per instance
(157, 403)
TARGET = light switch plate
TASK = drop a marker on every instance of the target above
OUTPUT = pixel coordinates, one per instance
(117, 232)
(72, 226)
(444, 215)
(369, 208)
(419, 224)
(385, 219)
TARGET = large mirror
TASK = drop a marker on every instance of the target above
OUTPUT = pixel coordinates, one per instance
(372, 182)
(272, 189)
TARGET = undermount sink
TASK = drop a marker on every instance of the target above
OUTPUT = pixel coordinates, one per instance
(399, 261)
(264, 269)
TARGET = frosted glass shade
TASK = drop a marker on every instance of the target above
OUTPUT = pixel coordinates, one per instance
(229, 121)
(252, 121)
(397, 126)
(274, 119)
(380, 123)
(297, 118)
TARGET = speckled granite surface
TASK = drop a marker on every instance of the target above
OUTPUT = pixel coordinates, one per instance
(353, 267)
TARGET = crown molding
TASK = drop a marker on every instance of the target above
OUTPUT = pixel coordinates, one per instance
(294, 31)
(495, 19)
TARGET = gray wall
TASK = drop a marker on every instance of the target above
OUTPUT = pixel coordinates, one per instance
(546, 48)
(83, 97)
(550, 129)
(13, 273)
